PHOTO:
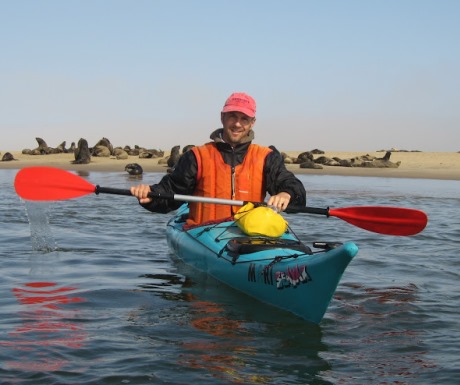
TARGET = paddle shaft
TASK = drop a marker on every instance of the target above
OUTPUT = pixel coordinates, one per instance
(176, 197)
(218, 201)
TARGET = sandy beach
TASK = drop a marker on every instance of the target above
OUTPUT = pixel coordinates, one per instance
(422, 165)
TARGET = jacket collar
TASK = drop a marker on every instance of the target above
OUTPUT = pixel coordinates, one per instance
(217, 137)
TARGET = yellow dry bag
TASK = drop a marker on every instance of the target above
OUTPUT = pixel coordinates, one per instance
(261, 220)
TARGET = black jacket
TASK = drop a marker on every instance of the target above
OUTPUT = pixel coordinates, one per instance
(182, 180)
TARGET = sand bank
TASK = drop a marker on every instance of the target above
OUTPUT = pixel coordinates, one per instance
(423, 165)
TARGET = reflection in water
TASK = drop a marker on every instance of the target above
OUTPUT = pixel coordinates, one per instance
(220, 342)
(223, 358)
(373, 353)
(221, 346)
(45, 325)
(136, 178)
(82, 173)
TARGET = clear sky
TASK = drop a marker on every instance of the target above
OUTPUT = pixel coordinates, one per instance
(343, 75)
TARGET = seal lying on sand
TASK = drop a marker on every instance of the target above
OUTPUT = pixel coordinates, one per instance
(99, 151)
(82, 153)
(7, 156)
(383, 162)
(307, 160)
(119, 153)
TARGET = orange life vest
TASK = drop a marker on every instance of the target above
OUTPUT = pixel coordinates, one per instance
(216, 179)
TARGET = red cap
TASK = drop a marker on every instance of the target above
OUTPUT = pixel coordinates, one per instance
(240, 102)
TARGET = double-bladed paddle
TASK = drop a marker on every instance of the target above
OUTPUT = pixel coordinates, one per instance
(49, 183)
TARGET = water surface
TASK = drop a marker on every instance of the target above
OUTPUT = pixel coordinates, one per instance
(91, 295)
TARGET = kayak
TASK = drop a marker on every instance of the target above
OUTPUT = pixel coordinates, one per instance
(282, 272)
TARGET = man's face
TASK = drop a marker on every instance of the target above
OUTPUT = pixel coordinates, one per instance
(236, 126)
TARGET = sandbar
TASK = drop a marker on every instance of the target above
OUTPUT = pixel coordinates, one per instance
(420, 165)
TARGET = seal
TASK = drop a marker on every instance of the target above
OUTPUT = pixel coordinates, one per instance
(61, 148)
(383, 162)
(82, 153)
(101, 151)
(187, 147)
(106, 143)
(7, 156)
(42, 148)
(134, 169)
(119, 153)
(174, 157)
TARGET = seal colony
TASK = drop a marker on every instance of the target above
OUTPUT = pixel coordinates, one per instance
(83, 153)
(412, 163)
(307, 160)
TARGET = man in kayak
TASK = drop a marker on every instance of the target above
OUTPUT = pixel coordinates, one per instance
(228, 167)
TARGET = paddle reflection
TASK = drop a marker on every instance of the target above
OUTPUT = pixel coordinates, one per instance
(44, 326)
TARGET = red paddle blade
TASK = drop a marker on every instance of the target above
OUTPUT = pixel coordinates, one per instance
(49, 184)
(383, 220)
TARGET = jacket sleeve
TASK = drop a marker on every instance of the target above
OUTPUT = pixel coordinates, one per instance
(182, 180)
(280, 179)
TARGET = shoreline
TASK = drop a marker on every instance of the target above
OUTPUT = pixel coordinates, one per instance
(419, 165)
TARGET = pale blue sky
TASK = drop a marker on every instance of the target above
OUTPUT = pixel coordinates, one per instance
(344, 75)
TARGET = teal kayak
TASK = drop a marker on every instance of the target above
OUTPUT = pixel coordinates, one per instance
(282, 272)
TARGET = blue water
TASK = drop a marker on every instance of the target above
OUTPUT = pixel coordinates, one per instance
(90, 294)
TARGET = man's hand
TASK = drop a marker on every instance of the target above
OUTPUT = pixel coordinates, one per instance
(279, 201)
(141, 192)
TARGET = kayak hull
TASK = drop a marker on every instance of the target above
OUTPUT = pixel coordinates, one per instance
(283, 276)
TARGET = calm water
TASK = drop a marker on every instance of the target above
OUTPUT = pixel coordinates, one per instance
(90, 294)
